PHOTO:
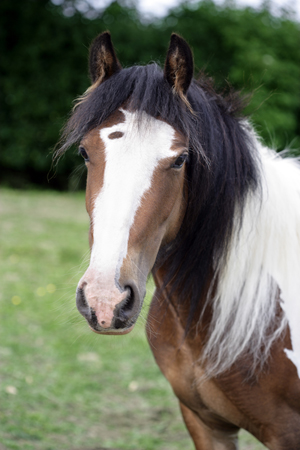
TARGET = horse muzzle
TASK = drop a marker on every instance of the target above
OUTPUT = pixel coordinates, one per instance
(108, 309)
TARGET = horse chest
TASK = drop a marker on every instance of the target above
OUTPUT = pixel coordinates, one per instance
(180, 365)
(231, 402)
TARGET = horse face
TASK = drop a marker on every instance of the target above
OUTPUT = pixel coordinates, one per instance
(135, 198)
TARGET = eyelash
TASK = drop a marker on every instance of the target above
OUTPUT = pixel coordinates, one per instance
(180, 161)
(83, 153)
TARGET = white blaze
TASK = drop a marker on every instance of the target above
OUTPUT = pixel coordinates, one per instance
(130, 163)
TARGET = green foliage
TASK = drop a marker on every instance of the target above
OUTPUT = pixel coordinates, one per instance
(43, 68)
(255, 52)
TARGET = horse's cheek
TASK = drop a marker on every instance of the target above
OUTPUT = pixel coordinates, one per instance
(177, 210)
(91, 237)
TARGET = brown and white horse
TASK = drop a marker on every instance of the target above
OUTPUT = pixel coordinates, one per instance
(179, 184)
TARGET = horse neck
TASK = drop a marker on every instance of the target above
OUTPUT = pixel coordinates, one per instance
(201, 317)
(263, 255)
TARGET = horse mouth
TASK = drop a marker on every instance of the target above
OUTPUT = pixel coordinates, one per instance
(119, 325)
(116, 332)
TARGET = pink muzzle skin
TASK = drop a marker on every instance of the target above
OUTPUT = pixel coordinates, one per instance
(107, 309)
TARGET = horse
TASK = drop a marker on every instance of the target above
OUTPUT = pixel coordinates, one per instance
(180, 186)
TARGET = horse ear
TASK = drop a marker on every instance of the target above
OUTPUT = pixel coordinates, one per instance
(103, 62)
(179, 66)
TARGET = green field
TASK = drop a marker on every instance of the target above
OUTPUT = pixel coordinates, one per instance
(62, 386)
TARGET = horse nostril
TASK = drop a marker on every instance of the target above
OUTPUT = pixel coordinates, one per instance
(124, 310)
(127, 304)
(84, 308)
(82, 304)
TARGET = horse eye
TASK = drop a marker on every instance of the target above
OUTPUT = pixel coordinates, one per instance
(180, 161)
(84, 154)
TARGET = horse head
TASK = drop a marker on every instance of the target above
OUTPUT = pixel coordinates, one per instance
(135, 195)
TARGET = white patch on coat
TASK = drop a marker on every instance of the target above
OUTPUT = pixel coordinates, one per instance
(130, 162)
(264, 255)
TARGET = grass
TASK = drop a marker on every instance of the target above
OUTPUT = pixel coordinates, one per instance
(62, 386)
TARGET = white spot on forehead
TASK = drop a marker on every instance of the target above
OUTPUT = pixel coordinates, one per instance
(129, 167)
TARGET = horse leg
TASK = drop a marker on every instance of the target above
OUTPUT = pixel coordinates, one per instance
(205, 438)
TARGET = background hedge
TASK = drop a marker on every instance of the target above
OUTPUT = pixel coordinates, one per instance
(43, 67)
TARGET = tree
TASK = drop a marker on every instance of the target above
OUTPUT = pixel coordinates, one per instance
(43, 67)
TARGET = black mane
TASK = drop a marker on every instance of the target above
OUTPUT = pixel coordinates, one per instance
(221, 170)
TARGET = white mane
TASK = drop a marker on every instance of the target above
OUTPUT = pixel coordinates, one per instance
(264, 255)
